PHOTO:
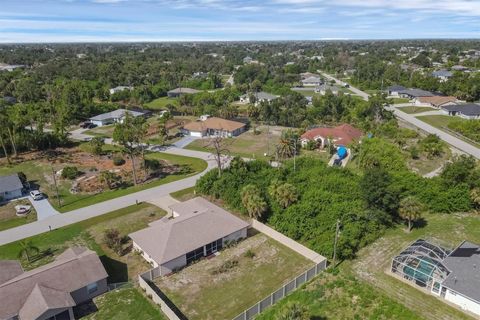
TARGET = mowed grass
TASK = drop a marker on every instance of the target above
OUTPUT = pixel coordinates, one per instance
(184, 195)
(9, 218)
(102, 132)
(400, 100)
(247, 145)
(124, 304)
(89, 233)
(161, 103)
(203, 294)
(415, 109)
(441, 122)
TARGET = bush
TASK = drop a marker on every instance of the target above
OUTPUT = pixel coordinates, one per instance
(70, 173)
(118, 160)
(226, 266)
(249, 254)
(113, 240)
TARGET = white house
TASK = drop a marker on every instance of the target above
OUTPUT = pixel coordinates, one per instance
(324, 88)
(119, 89)
(10, 187)
(468, 111)
(395, 90)
(312, 81)
(197, 228)
(259, 97)
(442, 75)
(116, 116)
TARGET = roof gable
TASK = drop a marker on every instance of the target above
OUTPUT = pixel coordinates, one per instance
(10, 183)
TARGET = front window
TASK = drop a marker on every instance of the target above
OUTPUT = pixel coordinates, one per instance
(92, 287)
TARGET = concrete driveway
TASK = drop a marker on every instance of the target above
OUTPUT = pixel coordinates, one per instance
(78, 134)
(185, 141)
(43, 207)
(356, 91)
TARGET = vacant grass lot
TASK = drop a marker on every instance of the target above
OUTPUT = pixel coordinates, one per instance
(246, 145)
(89, 233)
(9, 218)
(415, 109)
(161, 103)
(400, 100)
(203, 294)
(103, 131)
(124, 304)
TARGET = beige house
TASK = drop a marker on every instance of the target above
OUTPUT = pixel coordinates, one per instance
(213, 126)
(196, 229)
(51, 291)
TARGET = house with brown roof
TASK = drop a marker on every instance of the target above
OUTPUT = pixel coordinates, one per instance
(197, 228)
(51, 291)
(436, 101)
(213, 126)
(342, 135)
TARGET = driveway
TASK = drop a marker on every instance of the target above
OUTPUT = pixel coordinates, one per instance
(78, 134)
(43, 207)
(356, 91)
(185, 141)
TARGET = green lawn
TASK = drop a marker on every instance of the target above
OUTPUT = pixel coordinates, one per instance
(202, 294)
(246, 145)
(124, 304)
(161, 103)
(184, 195)
(415, 109)
(89, 233)
(442, 121)
(102, 132)
(400, 100)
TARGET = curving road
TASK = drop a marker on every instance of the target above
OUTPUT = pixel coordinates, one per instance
(148, 195)
(356, 91)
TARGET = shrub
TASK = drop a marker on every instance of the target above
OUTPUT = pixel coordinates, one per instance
(113, 240)
(226, 266)
(70, 173)
(249, 254)
(118, 160)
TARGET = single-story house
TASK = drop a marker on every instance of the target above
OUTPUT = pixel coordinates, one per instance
(312, 81)
(10, 67)
(116, 116)
(449, 274)
(305, 75)
(324, 88)
(466, 111)
(9, 100)
(341, 135)
(213, 126)
(436, 101)
(459, 68)
(415, 93)
(247, 60)
(120, 89)
(10, 187)
(395, 90)
(259, 97)
(51, 291)
(443, 75)
(196, 229)
(181, 91)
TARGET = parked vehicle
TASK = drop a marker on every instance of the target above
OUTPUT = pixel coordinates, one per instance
(36, 195)
(87, 125)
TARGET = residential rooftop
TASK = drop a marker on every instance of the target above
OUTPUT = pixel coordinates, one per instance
(10, 183)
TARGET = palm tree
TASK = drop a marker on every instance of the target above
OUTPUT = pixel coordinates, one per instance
(410, 210)
(253, 201)
(285, 194)
(28, 249)
(475, 196)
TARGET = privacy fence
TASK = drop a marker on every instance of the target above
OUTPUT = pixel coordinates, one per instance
(173, 313)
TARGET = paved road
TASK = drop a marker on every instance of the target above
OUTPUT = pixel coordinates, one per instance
(61, 220)
(457, 143)
(356, 91)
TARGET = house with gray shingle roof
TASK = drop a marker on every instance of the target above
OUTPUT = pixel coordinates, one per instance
(196, 229)
(115, 116)
(443, 75)
(466, 111)
(10, 187)
(51, 291)
(259, 97)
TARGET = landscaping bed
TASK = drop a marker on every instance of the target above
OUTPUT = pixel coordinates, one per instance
(223, 286)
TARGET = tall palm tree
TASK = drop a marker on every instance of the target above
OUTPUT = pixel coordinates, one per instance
(283, 193)
(28, 250)
(410, 210)
(253, 201)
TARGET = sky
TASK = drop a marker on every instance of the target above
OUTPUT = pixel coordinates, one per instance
(232, 20)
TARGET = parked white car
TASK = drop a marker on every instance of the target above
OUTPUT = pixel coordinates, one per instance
(36, 195)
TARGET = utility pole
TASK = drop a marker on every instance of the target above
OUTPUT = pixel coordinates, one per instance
(294, 155)
(56, 187)
(337, 231)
